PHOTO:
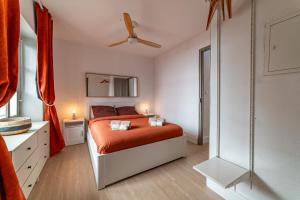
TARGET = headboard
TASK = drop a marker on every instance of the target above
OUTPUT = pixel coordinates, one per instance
(116, 104)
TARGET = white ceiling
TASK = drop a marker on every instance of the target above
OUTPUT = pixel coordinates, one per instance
(100, 22)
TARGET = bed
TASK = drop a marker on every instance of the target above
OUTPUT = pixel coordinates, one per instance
(116, 155)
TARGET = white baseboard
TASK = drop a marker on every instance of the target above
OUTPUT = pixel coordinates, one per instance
(205, 139)
(194, 139)
(228, 194)
(191, 138)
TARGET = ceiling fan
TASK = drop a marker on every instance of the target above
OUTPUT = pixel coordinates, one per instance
(213, 7)
(133, 38)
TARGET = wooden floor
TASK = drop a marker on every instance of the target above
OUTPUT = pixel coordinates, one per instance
(69, 176)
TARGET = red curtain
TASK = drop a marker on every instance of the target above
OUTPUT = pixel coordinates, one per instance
(9, 184)
(45, 78)
(9, 40)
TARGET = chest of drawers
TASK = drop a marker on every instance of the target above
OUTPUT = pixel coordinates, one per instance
(29, 153)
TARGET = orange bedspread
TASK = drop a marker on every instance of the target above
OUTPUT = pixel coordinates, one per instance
(140, 133)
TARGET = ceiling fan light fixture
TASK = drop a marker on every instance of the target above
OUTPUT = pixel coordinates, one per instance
(132, 37)
(132, 40)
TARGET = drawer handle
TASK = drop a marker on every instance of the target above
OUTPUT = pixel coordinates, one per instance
(45, 144)
(29, 167)
(45, 131)
(30, 185)
(29, 148)
(45, 156)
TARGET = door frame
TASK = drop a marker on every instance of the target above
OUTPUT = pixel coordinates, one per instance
(201, 93)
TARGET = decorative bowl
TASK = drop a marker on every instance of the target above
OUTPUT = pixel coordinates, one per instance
(14, 125)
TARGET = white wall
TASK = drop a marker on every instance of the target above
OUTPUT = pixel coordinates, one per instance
(177, 84)
(277, 139)
(235, 85)
(72, 61)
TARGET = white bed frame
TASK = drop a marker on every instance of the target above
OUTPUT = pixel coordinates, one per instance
(112, 167)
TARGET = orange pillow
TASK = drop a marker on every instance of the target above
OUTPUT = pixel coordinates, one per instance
(126, 110)
(103, 111)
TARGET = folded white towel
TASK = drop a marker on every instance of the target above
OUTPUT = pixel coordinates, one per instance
(117, 125)
(115, 122)
(160, 122)
(125, 123)
(123, 128)
(153, 121)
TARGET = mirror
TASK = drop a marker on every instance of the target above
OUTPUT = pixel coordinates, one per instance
(106, 85)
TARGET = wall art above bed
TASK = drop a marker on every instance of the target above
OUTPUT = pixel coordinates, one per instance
(108, 85)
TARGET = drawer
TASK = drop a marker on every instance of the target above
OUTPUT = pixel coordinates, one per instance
(22, 153)
(44, 145)
(44, 152)
(30, 182)
(44, 142)
(28, 166)
(43, 157)
(43, 134)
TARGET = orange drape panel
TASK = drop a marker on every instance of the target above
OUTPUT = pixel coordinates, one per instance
(45, 78)
(9, 185)
(9, 40)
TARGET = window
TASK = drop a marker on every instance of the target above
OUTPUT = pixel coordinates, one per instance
(3, 112)
(12, 108)
(13, 105)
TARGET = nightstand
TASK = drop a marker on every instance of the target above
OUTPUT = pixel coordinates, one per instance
(74, 131)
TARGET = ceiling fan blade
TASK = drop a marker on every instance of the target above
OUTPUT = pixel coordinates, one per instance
(152, 44)
(223, 9)
(212, 10)
(118, 43)
(128, 23)
(229, 8)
